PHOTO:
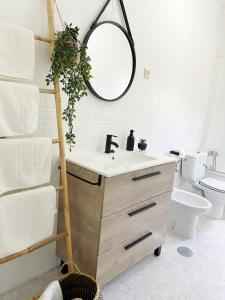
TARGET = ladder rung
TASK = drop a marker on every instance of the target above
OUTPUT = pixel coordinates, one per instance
(42, 38)
(34, 247)
(59, 188)
(47, 91)
(55, 141)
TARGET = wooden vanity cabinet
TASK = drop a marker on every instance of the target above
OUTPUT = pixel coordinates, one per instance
(116, 221)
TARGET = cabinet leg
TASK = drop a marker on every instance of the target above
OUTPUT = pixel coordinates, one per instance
(157, 251)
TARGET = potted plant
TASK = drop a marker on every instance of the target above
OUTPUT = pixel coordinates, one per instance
(142, 145)
(71, 65)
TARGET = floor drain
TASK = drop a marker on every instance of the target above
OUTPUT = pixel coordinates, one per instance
(184, 251)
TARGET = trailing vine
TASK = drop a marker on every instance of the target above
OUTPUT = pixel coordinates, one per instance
(71, 65)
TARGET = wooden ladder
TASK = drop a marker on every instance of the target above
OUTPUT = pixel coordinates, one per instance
(63, 188)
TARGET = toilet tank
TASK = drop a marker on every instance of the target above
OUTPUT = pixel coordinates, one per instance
(194, 166)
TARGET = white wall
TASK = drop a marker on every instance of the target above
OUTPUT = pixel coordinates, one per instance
(178, 40)
(214, 133)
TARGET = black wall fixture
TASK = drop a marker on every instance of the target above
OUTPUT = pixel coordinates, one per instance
(112, 51)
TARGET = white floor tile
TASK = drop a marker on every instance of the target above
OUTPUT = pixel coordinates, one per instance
(162, 274)
(210, 288)
(213, 231)
(205, 250)
(153, 295)
(218, 268)
(114, 290)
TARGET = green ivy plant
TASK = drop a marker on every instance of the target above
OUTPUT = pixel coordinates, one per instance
(142, 141)
(70, 64)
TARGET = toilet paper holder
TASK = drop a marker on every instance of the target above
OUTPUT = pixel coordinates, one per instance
(180, 154)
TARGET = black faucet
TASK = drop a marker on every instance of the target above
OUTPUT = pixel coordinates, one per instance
(109, 143)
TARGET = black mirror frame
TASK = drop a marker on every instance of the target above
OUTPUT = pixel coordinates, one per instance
(131, 43)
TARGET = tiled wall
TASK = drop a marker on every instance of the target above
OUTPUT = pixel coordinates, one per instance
(177, 40)
(214, 136)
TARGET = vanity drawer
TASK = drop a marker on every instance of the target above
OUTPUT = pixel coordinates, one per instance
(119, 259)
(119, 226)
(129, 189)
(88, 175)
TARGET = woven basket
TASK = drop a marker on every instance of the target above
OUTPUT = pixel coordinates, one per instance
(77, 285)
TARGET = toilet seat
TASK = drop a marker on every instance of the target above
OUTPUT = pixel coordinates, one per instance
(213, 184)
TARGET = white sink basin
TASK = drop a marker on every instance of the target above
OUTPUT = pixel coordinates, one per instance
(121, 162)
(114, 161)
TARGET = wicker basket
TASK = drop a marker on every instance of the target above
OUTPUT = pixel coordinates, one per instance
(77, 285)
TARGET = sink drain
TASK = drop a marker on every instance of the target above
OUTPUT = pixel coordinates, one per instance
(185, 251)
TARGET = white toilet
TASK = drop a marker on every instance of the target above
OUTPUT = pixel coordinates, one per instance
(185, 209)
(193, 170)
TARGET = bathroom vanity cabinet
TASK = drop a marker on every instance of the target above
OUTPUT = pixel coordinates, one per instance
(116, 221)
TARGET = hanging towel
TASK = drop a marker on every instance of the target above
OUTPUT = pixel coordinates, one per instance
(26, 218)
(52, 292)
(24, 163)
(17, 54)
(19, 103)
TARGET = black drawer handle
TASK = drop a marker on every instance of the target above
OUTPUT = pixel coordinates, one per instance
(146, 176)
(140, 210)
(131, 245)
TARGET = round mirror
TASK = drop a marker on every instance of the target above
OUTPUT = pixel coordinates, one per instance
(113, 60)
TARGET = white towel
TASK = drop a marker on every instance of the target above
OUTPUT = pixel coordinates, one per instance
(24, 163)
(26, 218)
(52, 292)
(19, 103)
(17, 54)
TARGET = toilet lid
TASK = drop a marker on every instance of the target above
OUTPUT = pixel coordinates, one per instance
(213, 184)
